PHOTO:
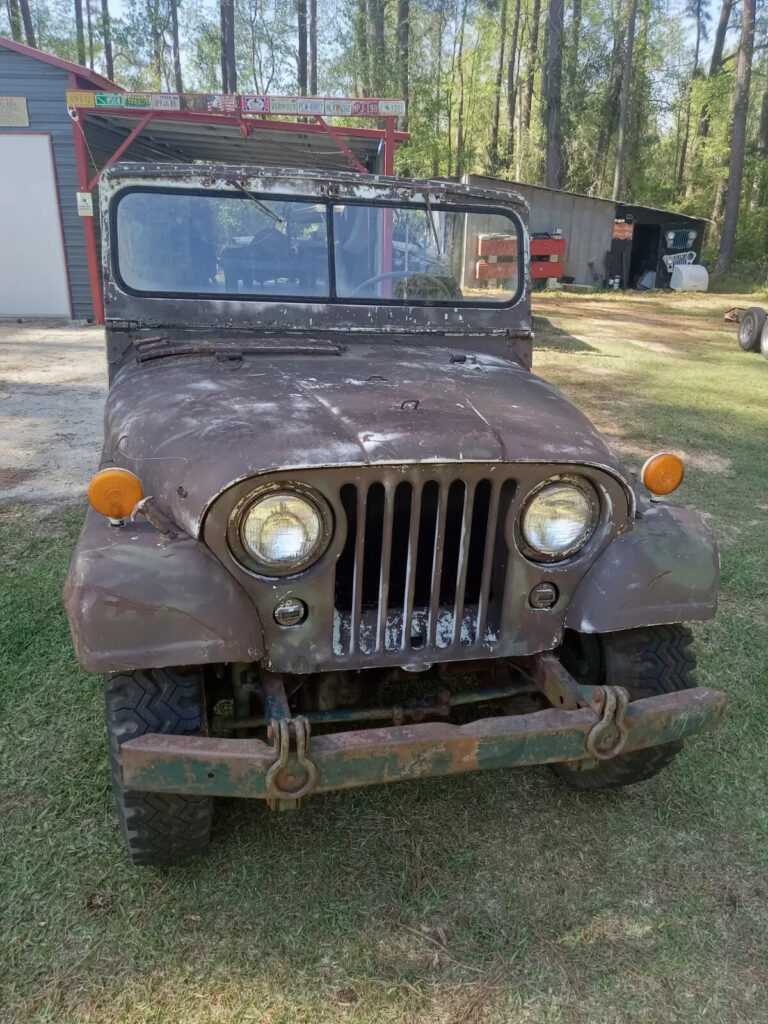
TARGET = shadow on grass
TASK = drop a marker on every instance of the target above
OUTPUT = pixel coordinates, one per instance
(547, 336)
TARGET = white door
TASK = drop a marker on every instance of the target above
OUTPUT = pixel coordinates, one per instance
(33, 272)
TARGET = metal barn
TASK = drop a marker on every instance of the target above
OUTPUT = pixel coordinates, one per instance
(607, 239)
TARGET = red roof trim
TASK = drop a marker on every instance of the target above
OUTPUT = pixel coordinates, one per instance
(92, 77)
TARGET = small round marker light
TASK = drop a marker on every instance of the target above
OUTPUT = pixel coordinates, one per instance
(114, 492)
(543, 595)
(290, 612)
(663, 473)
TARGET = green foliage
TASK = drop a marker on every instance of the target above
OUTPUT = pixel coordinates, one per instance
(452, 84)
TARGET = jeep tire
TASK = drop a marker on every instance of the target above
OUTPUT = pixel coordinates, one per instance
(657, 659)
(158, 828)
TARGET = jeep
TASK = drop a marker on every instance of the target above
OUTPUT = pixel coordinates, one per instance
(341, 534)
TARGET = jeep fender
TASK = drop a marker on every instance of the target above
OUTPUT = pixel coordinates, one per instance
(137, 599)
(665, 569)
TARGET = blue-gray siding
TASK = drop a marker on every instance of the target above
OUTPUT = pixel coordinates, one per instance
(44, 87)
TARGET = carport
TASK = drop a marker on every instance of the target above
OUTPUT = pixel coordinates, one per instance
(220, 130)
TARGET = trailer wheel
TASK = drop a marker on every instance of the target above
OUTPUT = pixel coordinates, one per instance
(158, 828)
(764, 340)
(657, 659)
(751, 328)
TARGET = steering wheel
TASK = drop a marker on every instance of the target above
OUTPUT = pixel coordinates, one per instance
(393, 275)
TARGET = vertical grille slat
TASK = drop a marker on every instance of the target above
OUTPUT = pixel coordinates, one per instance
(386, 557)
(424, 566)
(490, 543)
(437, 566)
(410, 566)
(461, 575)
(357, 577)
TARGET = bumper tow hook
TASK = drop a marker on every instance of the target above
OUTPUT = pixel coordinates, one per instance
(285, 787)
(607, 737)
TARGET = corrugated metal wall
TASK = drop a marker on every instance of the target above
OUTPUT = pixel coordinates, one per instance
(586, 224)
(44, 87)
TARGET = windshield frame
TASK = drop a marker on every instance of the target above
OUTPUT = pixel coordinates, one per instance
(328, 202)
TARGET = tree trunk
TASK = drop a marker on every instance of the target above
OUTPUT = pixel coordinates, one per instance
(377, 51)
(301, 63)
(573, 59)
(438, 73)
(533, 56)
(313, 47)
(739, 108)
(551, 92)
(79, 32)
(175, 46)
(362, 61)
(403, 55)
(26, 17)
(14, 17)
(694, 70)
(460, 110)
(89, 23)
(626, 84)
(497, 89)
(228, 63)
(106, 31)
(762, 150)
(512, 65)
(715, 61)
(158, 40)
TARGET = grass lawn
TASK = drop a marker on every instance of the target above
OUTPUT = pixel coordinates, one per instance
(492, 897)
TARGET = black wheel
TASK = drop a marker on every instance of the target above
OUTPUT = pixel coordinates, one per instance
(764, 340)
(751, 328)
(158, 828)
(657, 659)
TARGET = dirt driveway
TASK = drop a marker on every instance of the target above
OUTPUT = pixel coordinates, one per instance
(52, 389)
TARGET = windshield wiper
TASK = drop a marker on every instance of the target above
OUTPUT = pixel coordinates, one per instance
(262, 206)
(432, 225)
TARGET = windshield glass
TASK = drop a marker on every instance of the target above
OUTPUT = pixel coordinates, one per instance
(256, 246)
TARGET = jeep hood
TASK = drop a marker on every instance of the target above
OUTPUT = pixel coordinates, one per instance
(190, 427)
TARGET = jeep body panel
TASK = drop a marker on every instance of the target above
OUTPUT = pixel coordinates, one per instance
(195, 426)
(667, 568)
(137, 599)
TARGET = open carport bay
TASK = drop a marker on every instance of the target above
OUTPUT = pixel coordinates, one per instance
(494, 897)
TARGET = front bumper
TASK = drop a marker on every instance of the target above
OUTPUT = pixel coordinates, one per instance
(209, 766)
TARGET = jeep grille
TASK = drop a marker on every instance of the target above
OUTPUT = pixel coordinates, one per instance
(424, 563)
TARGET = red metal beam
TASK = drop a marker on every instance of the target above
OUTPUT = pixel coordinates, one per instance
(339, 142)
(89, 232)
(122, 148)
(201, 117)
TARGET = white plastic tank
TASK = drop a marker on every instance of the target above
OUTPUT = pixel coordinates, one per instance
(689, 277)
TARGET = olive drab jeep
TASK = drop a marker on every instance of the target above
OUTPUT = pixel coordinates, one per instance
(341, 534)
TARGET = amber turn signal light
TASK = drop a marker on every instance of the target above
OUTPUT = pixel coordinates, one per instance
(663, 473)
(115, 492)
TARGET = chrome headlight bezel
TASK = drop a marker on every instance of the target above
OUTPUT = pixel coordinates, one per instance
(245, 556)
(588, 490)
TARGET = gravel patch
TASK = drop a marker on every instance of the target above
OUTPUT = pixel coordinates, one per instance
(53, 382)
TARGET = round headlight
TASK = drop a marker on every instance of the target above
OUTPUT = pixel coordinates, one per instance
(284, 532)
(559, 519)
